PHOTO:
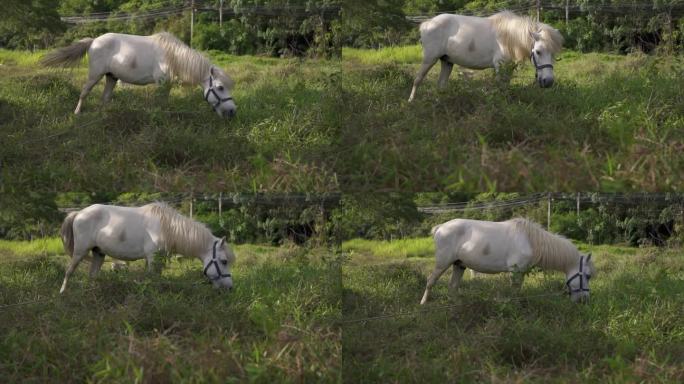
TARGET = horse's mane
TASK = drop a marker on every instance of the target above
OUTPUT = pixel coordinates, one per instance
(549, 250)
(179, 233)
(186, 64)
(514, 33)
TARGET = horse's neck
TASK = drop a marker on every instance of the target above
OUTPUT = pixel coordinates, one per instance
(546, 261)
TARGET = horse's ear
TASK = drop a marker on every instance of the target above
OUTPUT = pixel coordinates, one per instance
(223, 241)
(536, 35)
(211, 70)
(589, 257)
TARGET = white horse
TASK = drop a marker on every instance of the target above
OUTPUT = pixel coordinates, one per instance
(144, 60)
(479, 43)
(127, 233)
(510, 246)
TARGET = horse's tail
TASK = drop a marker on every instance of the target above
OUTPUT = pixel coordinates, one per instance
(434, 229)
(67, 233)
(67, 56)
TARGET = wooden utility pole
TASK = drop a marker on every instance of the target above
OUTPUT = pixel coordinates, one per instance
(578, 203)
(567, 11)
(548, 213)
(221, 15)
(192, 20)
(538, 9)
(192, 199)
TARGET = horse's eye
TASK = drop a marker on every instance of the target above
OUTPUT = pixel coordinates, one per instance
(538, 52)
(220, 88)
(224, 262)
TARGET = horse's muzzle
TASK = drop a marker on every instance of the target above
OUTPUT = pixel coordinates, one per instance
(229, 113)
(545, 82)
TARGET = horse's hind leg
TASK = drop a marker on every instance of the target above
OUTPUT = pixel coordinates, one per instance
(87, 87)
(456, 275)
(444, 74)
(96, 263)
(109, 88)
(424, 69)
(75, 259)
(434, 276)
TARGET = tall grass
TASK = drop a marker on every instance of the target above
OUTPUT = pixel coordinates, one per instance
(631, 331)
(403, 248)
(610, 123)
(412, 54)
(277, 325)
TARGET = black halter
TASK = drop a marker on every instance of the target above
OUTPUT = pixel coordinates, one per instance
(211, 90)
(214, 262)
(582, 277)
(537, 66)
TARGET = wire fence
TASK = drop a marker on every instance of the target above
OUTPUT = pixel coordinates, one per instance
(640, 8)
(329, 12)
(165, 11)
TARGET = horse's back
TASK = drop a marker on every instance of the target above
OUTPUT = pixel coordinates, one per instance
(133, 59)
(484, 246)
(467, 41)
(122, 232)
(98, 216)
(451, 23)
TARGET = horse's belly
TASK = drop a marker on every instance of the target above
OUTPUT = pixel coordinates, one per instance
(123, 243)
(137, 77)
(133, 68)
(470, 52)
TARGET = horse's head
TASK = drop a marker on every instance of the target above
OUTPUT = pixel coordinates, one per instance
(578, 279)
(217, 264)
(542, 59)
(217, 92)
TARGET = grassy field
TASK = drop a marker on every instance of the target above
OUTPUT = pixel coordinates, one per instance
(631, 331)
(610, 123)
(280, 323)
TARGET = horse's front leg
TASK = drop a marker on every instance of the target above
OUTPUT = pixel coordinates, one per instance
(517, 279)
(156, 262)
(163, 89)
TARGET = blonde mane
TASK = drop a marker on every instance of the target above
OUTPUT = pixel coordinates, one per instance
(514, 35)
(179, 233)
(549, 251)
(186, 64)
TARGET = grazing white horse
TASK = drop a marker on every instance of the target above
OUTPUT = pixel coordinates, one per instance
(127, 233)
(487, 42)
(144, 60)
(510, 246)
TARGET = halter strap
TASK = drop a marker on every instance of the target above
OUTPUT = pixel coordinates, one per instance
(579, 274)
(536, 66)
(212, 90)
(214, 262)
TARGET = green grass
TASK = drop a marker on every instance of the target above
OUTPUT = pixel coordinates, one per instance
(401, 248)
(611, 123)
(278, 324)
(412, 54)
(631, 331)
